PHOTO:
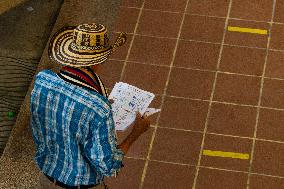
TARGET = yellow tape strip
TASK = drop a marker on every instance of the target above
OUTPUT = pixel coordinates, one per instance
(247, 30)
(225, 154)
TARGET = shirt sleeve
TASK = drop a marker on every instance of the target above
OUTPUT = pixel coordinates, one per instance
(101, 148)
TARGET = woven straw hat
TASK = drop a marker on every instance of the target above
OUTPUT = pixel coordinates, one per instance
(84, 45)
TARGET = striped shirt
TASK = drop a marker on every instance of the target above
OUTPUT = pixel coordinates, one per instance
(73, 130)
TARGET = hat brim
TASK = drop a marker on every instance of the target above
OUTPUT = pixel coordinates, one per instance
(60, 51)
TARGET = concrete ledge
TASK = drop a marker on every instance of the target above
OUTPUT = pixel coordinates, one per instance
(17, 167)
(6, 5)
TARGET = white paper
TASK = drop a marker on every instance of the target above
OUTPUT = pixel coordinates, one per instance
(151, 111)
(127, 101)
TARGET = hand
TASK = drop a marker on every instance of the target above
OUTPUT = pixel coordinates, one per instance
(111, 101)
(141, 124)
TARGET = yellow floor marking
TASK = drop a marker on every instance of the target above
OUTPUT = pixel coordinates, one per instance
(225, 154)
(247, 30)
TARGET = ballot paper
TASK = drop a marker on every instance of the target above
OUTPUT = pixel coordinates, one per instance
(128, 100)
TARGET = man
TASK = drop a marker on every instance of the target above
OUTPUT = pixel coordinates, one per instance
(71, 117)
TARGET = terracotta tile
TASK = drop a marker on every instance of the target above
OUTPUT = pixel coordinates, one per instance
(227, 144)
(242, 60)
(177, 176)
(166, 5)
(152, 50)
(203, 28)
(274, 65)
(109, 72)
(232, 120)
(190, 83)
(220, 179)
(209, 7)
(139, 149)
(237, 89)
(279, 9)
(264, 182)
(184, 114)
(147, 77)
(151, 23)
(268, 158)
(247, 39)
(277, 37)
(121, 52)
(271, 125)
(198, 55)
(129, 176)
(166, 142)
(132, 3)
(273, 93)
(126, 19)
(252, 10)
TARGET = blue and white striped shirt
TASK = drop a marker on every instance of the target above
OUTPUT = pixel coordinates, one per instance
(74, 132)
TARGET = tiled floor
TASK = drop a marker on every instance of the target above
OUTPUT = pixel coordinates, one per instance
(219, 90)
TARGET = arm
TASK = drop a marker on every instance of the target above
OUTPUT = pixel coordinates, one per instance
(141, 125)
(125, 145)
(101, 148)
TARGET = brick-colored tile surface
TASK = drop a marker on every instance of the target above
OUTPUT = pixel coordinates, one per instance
(203, 28)
(279, 8)
(152, 50)
(190, 83)
(184, 114)
(109, 72)
(242, 60)
(265, 182)
(232, 120)
(132, 3)
(166, 5)
(227, 144)
(152, 24)
(277, 37)
(192, 54)
(182, 175)
(271, 125)
(209, 7)
(149, 77)
(268, 158)
(220, 179)
(260, 10)
(273, 93)
(237, 89)
(176, 146)
(127, 19)
(129, 176)
(274, 67)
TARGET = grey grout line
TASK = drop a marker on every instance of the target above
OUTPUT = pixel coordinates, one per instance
(210, 16)
(217, 134)
(163, 98)
(203, 70)
(211, 97)
(223, 102)
(208, 42)
(207, 167)
(262, 174)
(260, 97)
(131, 43)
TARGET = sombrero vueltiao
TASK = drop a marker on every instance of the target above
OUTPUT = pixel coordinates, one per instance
(83, 45)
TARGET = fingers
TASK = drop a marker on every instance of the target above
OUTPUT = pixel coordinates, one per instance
(111, 101)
